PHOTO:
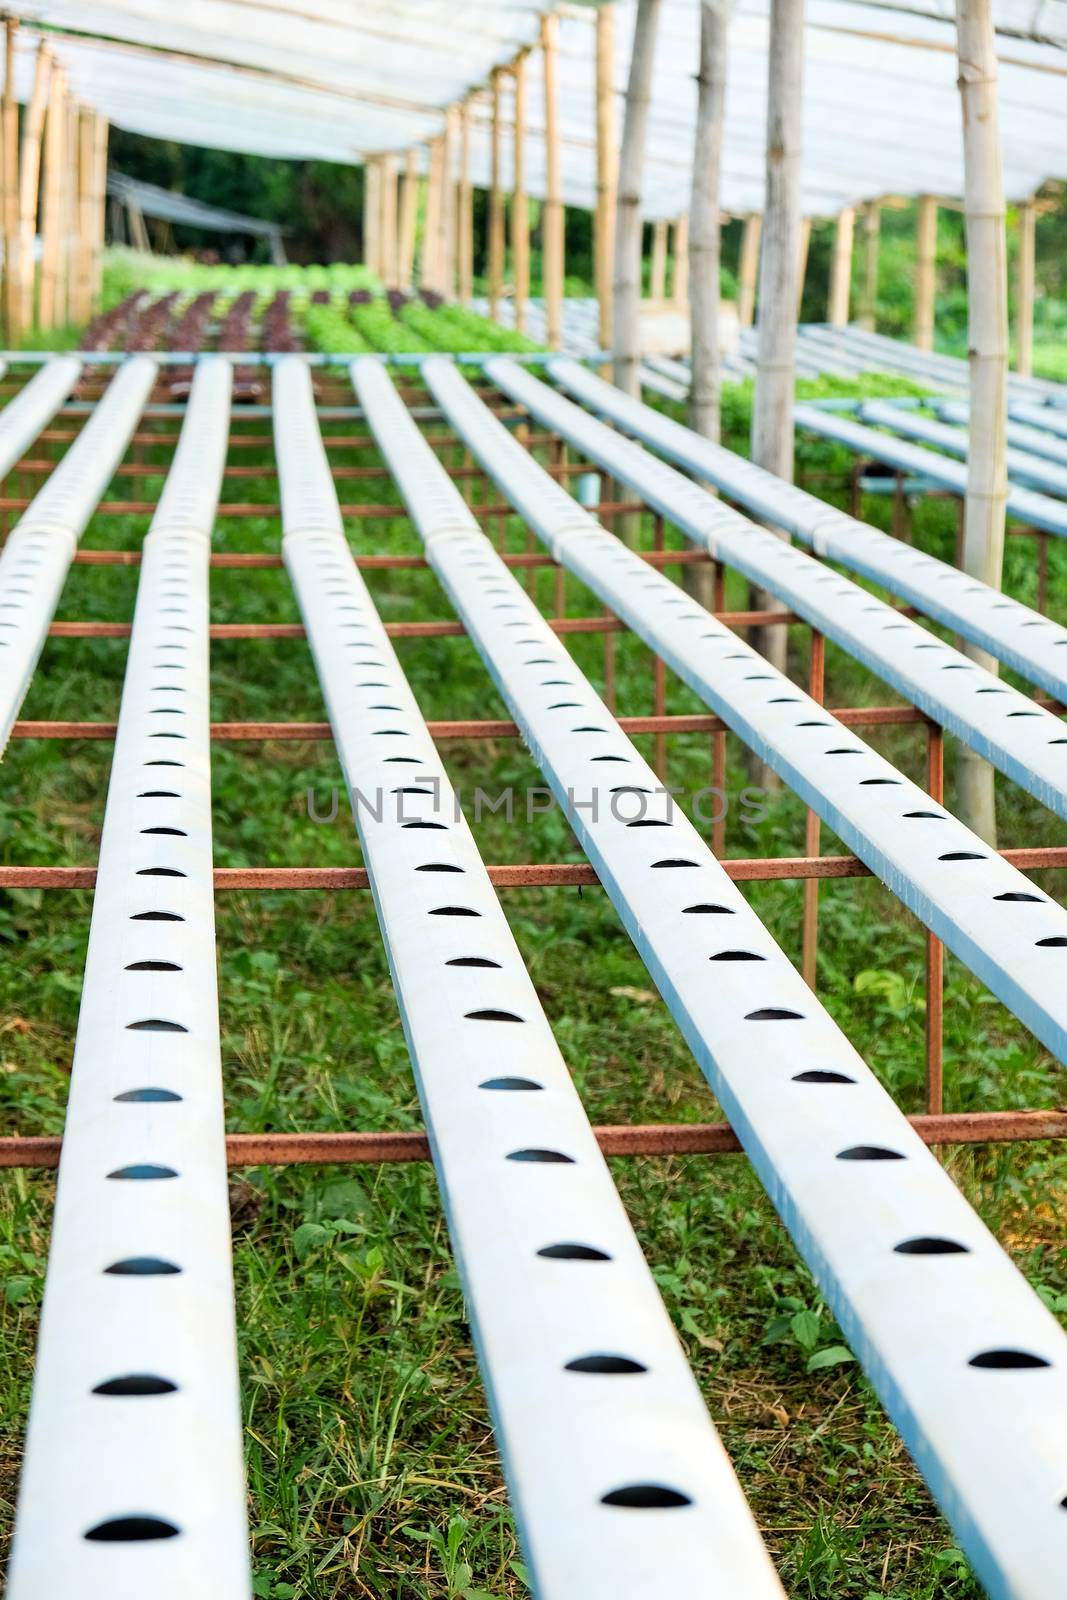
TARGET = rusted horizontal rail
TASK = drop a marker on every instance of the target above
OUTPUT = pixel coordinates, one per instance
(400, 630)
(262, 441)
(469, 728)
(254, 508)
(527, 875)
(34, 467)
(641, 1139)
(524, 558)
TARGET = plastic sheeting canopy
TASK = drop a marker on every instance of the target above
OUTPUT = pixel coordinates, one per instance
(339, 82)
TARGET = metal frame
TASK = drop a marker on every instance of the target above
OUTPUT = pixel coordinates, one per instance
(1018, 636)
(133, 1481)
(867, 1206)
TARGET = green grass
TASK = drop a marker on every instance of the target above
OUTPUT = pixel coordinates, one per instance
(371, 1464)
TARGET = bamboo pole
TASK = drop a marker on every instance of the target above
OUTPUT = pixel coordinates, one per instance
(52, 202)
(607, 169)
(447, 219)
(1025, 289)
(430, 267)
(409, 212)
(520, 210)
(626, 338)
(704, 225)
(841, 267)
(657, 277)
(802, 260)
(704, 248)
(987, 321)
(81, 309)
(10, 158)
(466, 208)
(29, 182)
(772, 404)
(372, 215)
(680, 275)
(553, 217)
(748, 269)
(138, 231)
(99, 203)
(496, 205)
(925, 271)
(872, 230)
(69, 255)
(390, 242)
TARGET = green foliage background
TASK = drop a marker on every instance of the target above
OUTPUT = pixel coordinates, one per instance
(322, 205)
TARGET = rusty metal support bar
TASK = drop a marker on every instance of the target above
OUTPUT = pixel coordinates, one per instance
(638, 1139)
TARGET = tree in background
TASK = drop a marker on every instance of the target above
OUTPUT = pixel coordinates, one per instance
(320, 202)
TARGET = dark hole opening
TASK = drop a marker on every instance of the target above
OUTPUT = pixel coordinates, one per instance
(620, 1365)
(136, 1383)
(548, 1157)
(929, 1245)
(1007, 1360)
(132, 1529)
(869, 1152)
(646, 1497)
(572, 1252)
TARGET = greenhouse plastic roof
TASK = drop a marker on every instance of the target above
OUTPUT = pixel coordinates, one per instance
(334, 81)
(171, 207)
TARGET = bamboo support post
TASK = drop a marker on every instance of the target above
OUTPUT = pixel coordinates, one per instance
(704, 230)
(138, 230)
(987, 339)
(372, 216)
(680, 273)
(703, 238)
(1025, 289)
(99, 206)
(428, 276)
(430, 267)
(387, 233)
(841, 268)
(449, 220)
(81, 299)
(10, 173)
(772, 407)
(70, 252)
(520, 210)
(553, 216)
(29, 183)
(496, 205)
(748, 269)
(657, 278)
(626, 328)
(408, 222)
(872, 238)
(925, 271)
(465, 210)
(803, 249)
(52, 202)
(607, 170)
